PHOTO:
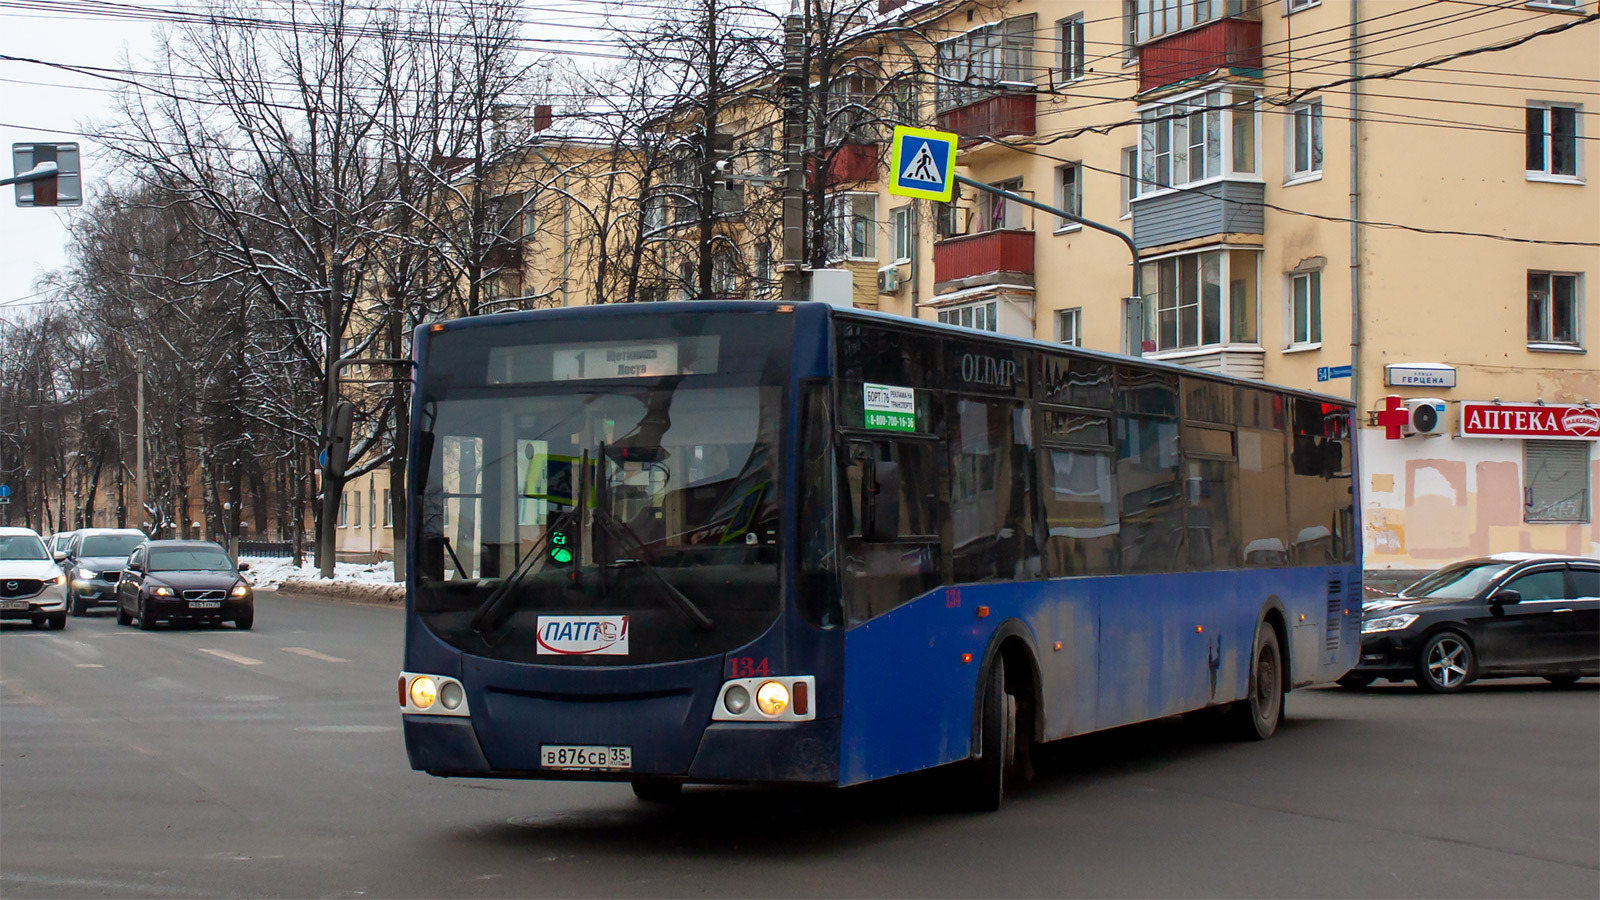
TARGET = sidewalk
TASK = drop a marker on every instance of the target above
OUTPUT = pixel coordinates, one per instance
(351, 581)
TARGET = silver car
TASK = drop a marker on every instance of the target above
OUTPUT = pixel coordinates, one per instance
(32, 586)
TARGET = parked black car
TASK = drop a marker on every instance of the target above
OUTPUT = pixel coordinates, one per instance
(1515, 614)
(183, 581)
(93, 559)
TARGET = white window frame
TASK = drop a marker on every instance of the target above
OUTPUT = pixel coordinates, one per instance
(904, 238)
(1069, 326)
(982, 315)
(1557, 5)
(355, 509)
(1130, 179)
(1290, 7)
(1310, 115)
(344, 506)
(843, 214)
(1161, 121)
(993, 206)
(1130, 32)
(1310, 311)
(388, 508)
(1225, 312)
(1159, 18)
(984, 62)
(1073, 202)
(1544, 173)
(1548, 343)
(1074, 65)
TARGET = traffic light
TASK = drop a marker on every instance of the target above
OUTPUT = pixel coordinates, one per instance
(560, 547)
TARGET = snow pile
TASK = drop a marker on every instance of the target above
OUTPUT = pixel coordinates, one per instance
(269, 574)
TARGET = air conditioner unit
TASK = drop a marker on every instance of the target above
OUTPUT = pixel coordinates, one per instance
(1424, 416)
(888, 280)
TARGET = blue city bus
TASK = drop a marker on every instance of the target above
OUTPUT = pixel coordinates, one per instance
(740, 542)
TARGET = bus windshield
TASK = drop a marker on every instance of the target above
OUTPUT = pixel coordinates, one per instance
(626, 486)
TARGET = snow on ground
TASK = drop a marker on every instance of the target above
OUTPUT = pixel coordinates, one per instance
(267, 573)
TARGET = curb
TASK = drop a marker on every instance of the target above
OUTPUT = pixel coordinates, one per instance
(366, 592)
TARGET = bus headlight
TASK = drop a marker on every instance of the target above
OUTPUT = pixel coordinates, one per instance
(736, 700)
(423, 692)
(772, 698)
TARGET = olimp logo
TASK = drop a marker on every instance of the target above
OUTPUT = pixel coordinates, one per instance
(989, 371)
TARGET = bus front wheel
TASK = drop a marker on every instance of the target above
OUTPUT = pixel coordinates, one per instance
(658, 791)
(985, 779)
(1256, 717)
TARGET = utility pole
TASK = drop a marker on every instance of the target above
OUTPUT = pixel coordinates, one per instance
(138, 444)
(791, 262)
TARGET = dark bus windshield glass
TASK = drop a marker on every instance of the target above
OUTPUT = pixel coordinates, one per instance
(594, 480)
(179, 559)
(109, 545)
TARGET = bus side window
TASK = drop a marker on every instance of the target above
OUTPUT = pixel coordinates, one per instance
(890, 513)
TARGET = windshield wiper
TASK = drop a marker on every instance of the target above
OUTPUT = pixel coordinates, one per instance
(497, 607)
(644, 559)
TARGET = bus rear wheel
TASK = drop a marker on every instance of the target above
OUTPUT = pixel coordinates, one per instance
(984, 782)
(1255, 718)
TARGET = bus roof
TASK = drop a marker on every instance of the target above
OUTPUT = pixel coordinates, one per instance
(679, 307)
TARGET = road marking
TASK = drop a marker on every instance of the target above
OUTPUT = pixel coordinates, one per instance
(88, 666)
(346, 729)
(232, 657)
(303, 651)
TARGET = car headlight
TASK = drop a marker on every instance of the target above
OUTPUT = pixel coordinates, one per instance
(423, 691)
(772, 698)
(240, 590)
(58, 579)
(161, 590)
(1388, 623)
(86, 574)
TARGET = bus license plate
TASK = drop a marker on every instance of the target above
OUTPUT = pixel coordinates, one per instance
(571, 756)
(205, 604)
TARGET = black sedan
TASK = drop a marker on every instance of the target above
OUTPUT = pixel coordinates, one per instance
(183, 581)
(1515, 614)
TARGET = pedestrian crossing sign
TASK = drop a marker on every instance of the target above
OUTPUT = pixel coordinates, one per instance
(922, 163)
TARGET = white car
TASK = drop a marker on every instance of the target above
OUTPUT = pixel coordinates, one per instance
(32, 586)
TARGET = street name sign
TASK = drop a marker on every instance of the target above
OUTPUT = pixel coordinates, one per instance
(1328, 373)
(1432, 375)
(922, 163)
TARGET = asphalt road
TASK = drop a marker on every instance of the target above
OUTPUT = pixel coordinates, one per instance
(270, 763)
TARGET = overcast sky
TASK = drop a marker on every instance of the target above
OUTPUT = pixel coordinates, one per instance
(36, 98)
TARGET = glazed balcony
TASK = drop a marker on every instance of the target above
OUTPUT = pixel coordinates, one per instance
(988, 257)
(1232, 44)
(1007, 114)
(854, 162)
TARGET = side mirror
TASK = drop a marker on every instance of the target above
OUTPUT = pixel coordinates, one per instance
(881, 502)
(60, 556)
(244, 567)
(1506, 597)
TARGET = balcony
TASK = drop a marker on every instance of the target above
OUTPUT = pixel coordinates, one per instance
(853, 162)
(988, 257)
(506, 255)
(1231, 43)
(1000, 115)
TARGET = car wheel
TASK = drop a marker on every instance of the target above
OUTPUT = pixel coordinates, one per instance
(1445, 664)
(122, 615)
(57, 621)
(243, 621)
(1256, 717)
(38, 621)
(1562, 680)
(75, 605)
(145, 622)
(984, 782)
(657, 791)
(1355, 682)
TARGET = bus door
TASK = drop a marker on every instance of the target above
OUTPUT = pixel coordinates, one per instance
(890, 515)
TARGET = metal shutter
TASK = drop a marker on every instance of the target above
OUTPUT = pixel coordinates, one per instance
(1555, 475)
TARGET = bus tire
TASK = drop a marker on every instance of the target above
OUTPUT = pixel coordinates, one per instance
(985, 779)
(1256, 717)
(657, 791)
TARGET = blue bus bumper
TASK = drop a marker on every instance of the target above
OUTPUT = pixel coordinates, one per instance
(769, 752)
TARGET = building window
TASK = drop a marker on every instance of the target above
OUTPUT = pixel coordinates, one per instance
(1130, 32)
(1185, 306)
(355, 509)
(982, 316)
(900, 224)
(1184, 142)
(1130, 178)
(853, 109)
(1072, 59)
(1294, 6)
(344, 508)
(388, 508)
(985, 61)
(1069, 194)
(1555, 478)
(1162, 17)
(1069, 326)
(688, 285)
(1305, 140)
(762, 269)
(854, 230)
(1553, 141)
(725, 273)
(1305, 309)
(655, 213)
(998, 212)
(1553, 309)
